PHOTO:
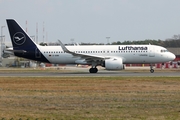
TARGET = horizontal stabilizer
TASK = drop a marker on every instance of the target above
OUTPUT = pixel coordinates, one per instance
(11, 50)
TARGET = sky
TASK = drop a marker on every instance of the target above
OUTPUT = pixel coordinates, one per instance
(91, 21)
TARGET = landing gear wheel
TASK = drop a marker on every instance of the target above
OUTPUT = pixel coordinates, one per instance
(152, 70)
(93, 70)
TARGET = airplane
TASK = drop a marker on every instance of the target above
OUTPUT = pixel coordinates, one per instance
(111, 57)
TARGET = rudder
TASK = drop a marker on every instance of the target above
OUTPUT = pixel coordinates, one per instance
(23, 45)
(20, 39)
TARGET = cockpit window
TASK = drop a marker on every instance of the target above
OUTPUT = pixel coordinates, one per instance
(164, 51)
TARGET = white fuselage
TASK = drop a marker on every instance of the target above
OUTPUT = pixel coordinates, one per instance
(129, 53)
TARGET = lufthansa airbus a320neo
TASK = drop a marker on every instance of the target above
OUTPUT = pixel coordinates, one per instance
(112, 57)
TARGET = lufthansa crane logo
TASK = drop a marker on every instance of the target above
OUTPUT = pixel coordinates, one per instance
(19, 38)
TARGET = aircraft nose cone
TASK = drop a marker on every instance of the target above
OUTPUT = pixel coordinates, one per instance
(172, 56)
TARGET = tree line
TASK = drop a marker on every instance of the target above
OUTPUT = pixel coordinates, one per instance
(170, 42)
(164, 43)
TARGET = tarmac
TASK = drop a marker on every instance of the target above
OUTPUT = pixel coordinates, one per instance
(84, 72)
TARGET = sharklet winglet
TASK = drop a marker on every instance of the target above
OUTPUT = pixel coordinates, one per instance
(64, 47)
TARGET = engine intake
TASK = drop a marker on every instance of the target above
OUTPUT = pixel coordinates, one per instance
(113, 64)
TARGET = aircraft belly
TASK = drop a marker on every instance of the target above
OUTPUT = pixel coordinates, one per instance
(62, 60)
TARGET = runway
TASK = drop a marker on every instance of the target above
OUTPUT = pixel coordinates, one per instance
(85, 73)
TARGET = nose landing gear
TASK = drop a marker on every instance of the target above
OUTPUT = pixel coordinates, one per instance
(151, 68)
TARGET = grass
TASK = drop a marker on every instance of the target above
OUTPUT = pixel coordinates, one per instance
(90, 98)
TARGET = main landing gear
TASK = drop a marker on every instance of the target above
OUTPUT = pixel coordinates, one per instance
(151, 68)
(93, 70)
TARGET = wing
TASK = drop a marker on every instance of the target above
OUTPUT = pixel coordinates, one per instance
(87, 57)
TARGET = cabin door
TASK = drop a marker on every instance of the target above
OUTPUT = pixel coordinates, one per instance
(151, 51)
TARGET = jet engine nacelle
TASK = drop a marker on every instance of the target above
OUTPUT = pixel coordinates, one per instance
(113, 64)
